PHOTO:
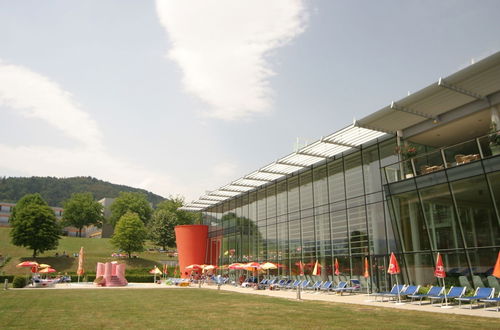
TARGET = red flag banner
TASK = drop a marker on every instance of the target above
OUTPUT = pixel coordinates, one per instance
(366, 274)
(337, 268)
(439, 272)
(496, 270)
(393, 265)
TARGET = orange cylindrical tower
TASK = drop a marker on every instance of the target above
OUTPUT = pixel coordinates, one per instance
(191, 245)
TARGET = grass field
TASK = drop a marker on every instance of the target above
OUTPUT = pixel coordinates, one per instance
(204, 308)
(96, 250)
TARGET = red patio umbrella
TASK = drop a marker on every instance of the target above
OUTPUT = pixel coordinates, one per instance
(337, 267)
(394, 270)
(440, 273)
(235, 265)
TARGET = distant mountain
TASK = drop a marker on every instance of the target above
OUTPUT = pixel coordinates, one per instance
(55, 191)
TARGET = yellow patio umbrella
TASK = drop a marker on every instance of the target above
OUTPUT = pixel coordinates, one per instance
(268, 265)
(42, 266)
(155, 271)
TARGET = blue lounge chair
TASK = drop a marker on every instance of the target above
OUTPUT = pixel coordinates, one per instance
(293, 285)
(285, 284)
(408, 291)
(481, 293)
(304, 284)
(395, 289)
(355, 286)
(455, 292)
(339, 287)
(315, 286)
(433, 291)
(492, 301)
(325, 286)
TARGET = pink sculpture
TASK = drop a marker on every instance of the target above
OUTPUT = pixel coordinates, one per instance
(110, 274)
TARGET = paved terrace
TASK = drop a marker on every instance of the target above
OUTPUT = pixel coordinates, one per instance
(357, 299)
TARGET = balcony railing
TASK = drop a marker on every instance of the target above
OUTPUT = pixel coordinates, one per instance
(440, 159)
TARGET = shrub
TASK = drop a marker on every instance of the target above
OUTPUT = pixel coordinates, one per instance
(4, 277)
(19, 282)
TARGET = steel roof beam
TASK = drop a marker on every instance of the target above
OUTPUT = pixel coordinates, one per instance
(273, 172)
(397, 107)
(305, 153)
(283, 162)
(444, 84)
(342, 144)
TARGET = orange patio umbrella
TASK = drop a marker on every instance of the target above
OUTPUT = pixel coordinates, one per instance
(81, 258)
(496, 270)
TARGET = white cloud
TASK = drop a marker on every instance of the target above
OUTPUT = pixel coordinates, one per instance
(221, 47)
(35, 96)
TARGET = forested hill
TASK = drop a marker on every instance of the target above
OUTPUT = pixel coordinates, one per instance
(55, 191)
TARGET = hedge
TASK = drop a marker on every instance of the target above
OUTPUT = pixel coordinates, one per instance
(9, 277)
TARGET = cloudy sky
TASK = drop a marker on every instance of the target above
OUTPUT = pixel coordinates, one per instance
(180, 97)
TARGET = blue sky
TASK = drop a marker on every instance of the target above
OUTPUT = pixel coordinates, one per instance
(180, 97)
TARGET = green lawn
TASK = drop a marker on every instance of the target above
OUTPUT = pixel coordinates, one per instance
(204, 308)
(96, 250)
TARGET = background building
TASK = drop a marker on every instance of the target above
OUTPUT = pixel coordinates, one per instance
(417, 177)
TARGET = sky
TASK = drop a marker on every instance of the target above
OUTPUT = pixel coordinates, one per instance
(182, 97)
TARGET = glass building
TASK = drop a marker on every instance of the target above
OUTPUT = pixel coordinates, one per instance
(418, 177)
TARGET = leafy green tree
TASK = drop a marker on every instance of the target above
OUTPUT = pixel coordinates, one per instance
(165, 217)
(130, 234)
(82, 210)
(36, 228)
(161, 228)
(25, 201)
(131, 202)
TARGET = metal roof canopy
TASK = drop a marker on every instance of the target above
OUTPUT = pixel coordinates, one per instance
(334, 144)
(474, 83)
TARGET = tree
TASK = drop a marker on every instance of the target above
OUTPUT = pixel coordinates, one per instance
(130, 233)
(165, 217)
(161, 228)
(82, 210)
(25, 201)
(130, 202)
(36, 228)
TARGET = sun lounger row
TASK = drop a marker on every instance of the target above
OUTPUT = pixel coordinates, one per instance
(438, 294)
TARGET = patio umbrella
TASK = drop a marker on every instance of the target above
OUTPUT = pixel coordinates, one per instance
(81, 257)
(235, 265)
(41, 266)
(366, 275)
(194, 267)
(440, 273)
(337, 269)
(27, 264)
(496, 270)
(267, 266)
(47, 270)
(317, 269)
(155, 271)
(394, 270)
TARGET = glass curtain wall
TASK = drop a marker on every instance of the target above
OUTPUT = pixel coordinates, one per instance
(332, 211)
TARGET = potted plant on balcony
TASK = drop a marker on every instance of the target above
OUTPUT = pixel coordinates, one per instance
(407, 151)
(494, 139)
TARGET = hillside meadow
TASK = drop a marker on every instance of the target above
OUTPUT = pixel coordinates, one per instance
(96, 250)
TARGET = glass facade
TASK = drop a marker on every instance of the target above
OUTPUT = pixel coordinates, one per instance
(366, 203)
(333, 210)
